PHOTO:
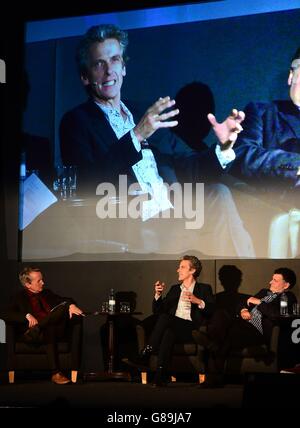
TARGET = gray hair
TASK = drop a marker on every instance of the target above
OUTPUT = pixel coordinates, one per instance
(24, 275)
(99, 33)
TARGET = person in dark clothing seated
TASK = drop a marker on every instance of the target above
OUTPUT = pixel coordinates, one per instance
(268, 158)
(101, 137)
(113, 142)
(256, 318)
(268, 151)
(41, 316)
(185, 307)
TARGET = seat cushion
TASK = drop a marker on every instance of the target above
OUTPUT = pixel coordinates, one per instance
(29, 348)
(250, 352)
(185, 349)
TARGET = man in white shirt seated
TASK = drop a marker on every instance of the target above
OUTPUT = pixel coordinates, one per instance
(103, 140)
(186, 306)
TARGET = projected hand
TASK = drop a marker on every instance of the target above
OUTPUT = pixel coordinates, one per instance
(154, 119)
(227, 131)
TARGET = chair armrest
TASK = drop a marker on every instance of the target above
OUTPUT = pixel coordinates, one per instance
(274, 339)
(76, 341)
(10, 345)
(10, 336)
(2, 331)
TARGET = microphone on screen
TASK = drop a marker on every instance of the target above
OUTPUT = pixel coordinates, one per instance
(96, 84)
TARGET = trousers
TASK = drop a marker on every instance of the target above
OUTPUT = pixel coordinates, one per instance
(169, 330)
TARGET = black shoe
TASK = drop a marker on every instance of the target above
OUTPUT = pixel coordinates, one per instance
(146, 352)
(160, 378)
(137, 364)
(142, 361)
(144, 356)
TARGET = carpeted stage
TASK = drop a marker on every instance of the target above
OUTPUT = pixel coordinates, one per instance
(117, 395)
(257, 390)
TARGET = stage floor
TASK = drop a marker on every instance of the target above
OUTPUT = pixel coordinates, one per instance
(179, 395)
(257, 390)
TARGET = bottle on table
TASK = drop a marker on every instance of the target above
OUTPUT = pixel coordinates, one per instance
(111, 301)
(283, 304)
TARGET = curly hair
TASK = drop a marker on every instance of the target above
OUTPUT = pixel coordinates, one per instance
(99, 33)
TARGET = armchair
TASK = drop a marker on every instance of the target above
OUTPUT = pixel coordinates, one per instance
(255, 359)
(24, 356)
(187, 357)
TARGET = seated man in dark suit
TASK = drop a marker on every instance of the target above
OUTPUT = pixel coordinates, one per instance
(107, 139)
(268, 158)
(268, 150)
(256, 317)
(100, 136)
(185, 307)
(260, 311)
(40, 316)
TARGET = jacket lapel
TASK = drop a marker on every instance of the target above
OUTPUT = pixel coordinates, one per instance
(100, 125)
(290, 116)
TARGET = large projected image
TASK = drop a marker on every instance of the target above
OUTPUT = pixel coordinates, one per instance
(120, 160)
